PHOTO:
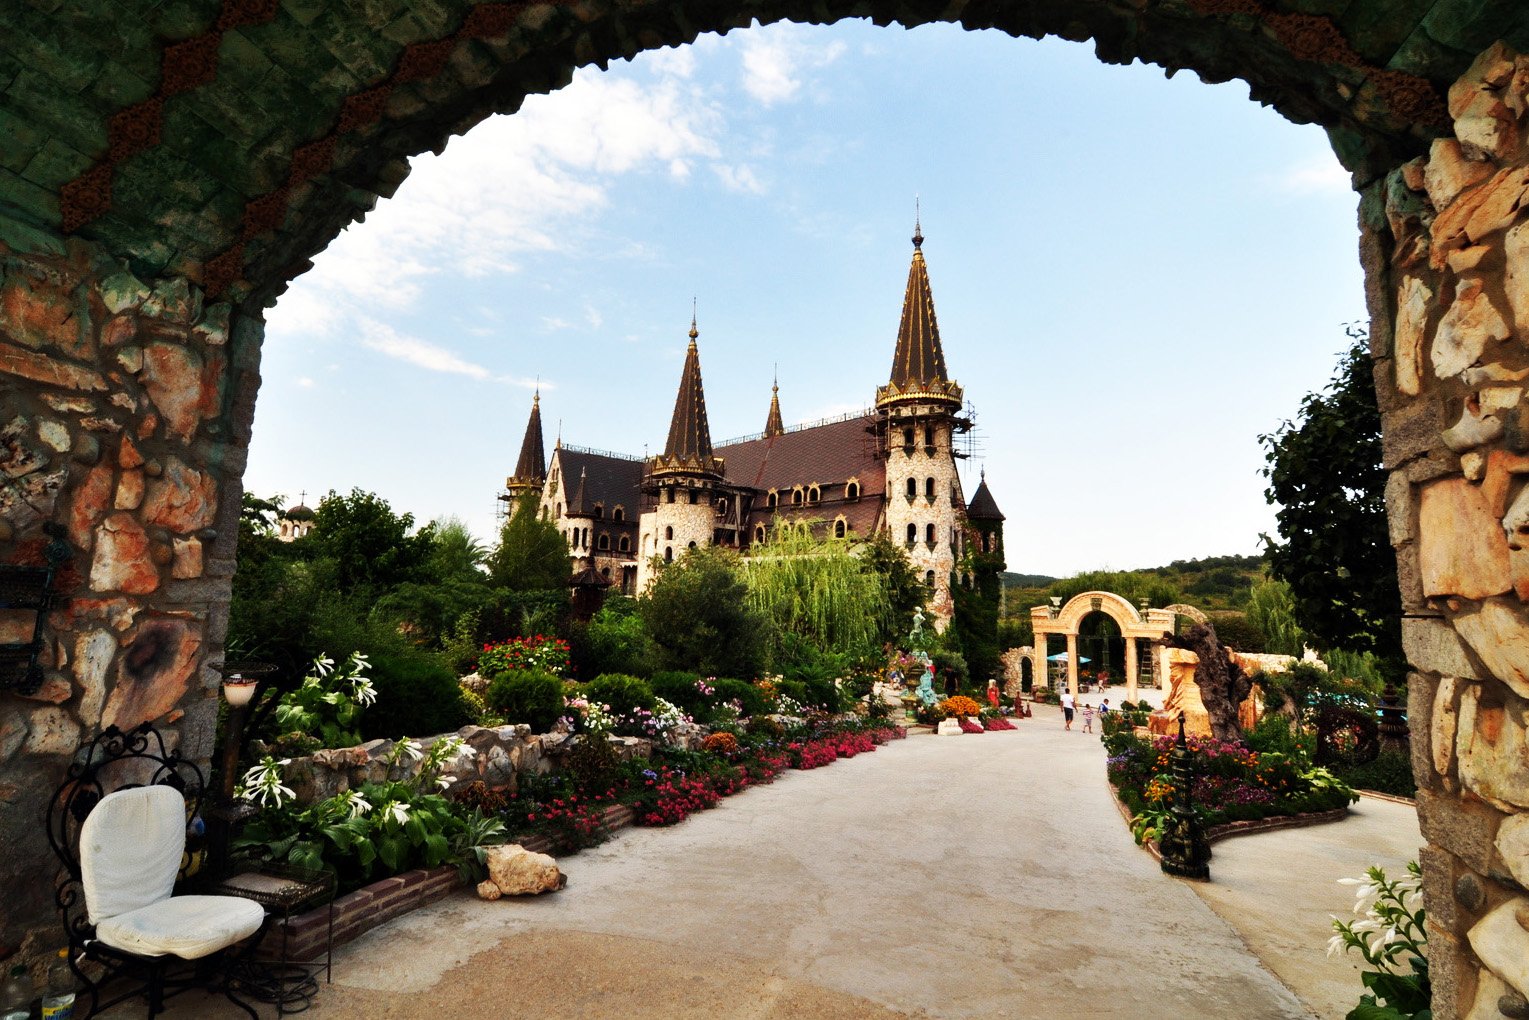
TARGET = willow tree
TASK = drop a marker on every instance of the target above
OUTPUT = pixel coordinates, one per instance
(818, 592)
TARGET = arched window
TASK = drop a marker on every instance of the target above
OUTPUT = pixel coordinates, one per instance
(759, 533)
(669, 534)
(912, 488)
(773, 499)
(852, 491)
(912, 533)
(559, 511)
(605, 572)
(929, 534)
(839, 528)
(618, 515)
(929, 578)
(626, 544)
(691, 546)
(599, 512)
(722, 506)
(985, 542)
(796, 496)
(814, 494)
(669, 554)
(929, 488)
(603, 542)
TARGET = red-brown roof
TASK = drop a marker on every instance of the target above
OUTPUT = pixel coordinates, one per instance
(824, 455)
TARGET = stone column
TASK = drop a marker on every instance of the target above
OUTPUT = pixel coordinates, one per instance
(1039, 675)
(125, 410)
(1072, 664)
(1131, 667)
(1445, 246)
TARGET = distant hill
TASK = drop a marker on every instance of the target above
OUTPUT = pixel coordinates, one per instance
(1013, 580)
(1212, 583)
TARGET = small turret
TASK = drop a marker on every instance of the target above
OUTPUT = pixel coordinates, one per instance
(531, 467)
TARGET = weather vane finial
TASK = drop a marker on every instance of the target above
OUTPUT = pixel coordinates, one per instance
(918, 230)
(693, 332)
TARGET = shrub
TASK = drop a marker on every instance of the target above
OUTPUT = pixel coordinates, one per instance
(527, 696)
(593, 767)
(947, 663)
(751, 700)
(1390, 772)
(687, 690)
(539, 652)
(623, 694)
(417, 695)
(821, 693)
(615, 641)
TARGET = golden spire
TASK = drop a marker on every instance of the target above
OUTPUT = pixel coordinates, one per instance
(773, 424)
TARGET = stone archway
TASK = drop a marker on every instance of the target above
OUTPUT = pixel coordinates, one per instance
(1135, 625)
(166, 172)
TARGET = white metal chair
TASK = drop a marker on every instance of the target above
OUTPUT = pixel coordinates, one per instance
(123, 853)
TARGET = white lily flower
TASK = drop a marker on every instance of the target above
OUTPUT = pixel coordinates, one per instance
(398, 812)
(444, 782)
(409, 748)
(364, 691)
(357, 804)
(323, 665)
(1335, 945)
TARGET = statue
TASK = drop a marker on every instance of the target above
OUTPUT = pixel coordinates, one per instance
(926, 682)
(1222, 682)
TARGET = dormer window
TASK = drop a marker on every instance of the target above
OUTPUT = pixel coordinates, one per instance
(603, 542)
(599, 512)
(840, 528)
(625, 544)
(759, 533)
(814, 494)
(618, 515)
(851, 491)
(773, 499)
(796, 496)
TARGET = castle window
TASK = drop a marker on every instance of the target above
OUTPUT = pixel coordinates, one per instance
(605, 572)
(603, 542)
(929, 534)
(669, 495)
(669, 534)
(618, 515)
(772, 499)
(985, 542)
(908, 442)
(559, 511)
(626, 544)
(929, 489)
(691, 546)
(796, 496)
(814, 494)
(759, 533)
(928, 439)
(912, 488)
(966, 581)
(929, 578)
(722, 506)
(599, 512)
(668, 554)
(839, 528)
(912, 533)
(852, 491)
(692, 497)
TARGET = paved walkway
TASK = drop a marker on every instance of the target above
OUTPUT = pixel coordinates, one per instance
(938, 877)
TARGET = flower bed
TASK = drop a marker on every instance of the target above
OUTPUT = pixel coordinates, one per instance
(1230, 782)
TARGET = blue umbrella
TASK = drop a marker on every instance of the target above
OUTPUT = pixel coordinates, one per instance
(1062, 657)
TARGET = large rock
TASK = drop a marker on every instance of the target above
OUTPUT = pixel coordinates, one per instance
(1184, 693)
(1497, 632)
(1492, 747)
(1462, 546)
(1503, 945)
(1513, 844)
(518, 872)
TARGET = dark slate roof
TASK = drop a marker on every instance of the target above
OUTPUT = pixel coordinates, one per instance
(982, 506)
(298, 513)
(919, 360)
(689, 444)
(827, 455)
(532, 465)
(605, 479)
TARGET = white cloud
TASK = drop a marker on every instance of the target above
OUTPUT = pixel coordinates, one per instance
(305, 382)
(1316, 176)
(386, 340)
(552, 323)
(738, 178)
(593, 317)
(777, 59)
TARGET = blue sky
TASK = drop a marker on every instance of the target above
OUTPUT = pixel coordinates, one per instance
(1134, 277)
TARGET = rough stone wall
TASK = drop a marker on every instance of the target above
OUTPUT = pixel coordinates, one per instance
(1449, 290)
(124, 418)
(691, 523)
(921, 511)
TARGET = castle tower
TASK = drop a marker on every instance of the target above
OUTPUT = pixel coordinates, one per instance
(981, 584)
(531, 469)
(679, 486)
(917, 419)
(773, 424)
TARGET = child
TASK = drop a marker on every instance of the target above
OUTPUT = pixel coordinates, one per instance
(1088, 718)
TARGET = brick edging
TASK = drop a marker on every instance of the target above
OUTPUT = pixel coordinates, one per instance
(1389, 797)
(358, 912)
(1247, 827)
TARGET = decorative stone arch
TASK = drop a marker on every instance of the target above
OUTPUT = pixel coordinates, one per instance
(1187, 610)
(1065, 620)
(852, 489)
(125, 234)
(841, 527)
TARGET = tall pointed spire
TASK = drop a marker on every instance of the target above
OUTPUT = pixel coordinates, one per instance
(773, 425)
(689, 444)
(918, 364)
(531, 467)
(576, 508)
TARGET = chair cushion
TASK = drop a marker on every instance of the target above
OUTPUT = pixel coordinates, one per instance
(130, 849)
(189, 927)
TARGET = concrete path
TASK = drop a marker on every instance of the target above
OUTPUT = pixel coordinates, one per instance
(979, 876)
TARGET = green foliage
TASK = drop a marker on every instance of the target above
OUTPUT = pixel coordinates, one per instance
(946, 663)
(1390, 772)
(1235, 630)
(615, 641)
(417, 694)
(620, 693)
(1274, 734)
(328, 704)
(700, 616)
(1392, 939)
(681, 689)
(1326, 476)
(527, 696)
(532, 554)
(369, 544)
(750, 698)
(904, 590)
(819, 592)
(1131, 585)
(1271, 609)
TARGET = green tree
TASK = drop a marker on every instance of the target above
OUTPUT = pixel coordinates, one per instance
(1325, 474)
(905, 591)
(698, 611)
(532, 554)
(1131, 585)
(370, 545)
(1271, 608)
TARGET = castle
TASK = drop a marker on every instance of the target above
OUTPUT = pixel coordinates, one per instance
(889, 469)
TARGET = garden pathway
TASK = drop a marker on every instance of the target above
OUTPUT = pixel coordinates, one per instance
(938, 877)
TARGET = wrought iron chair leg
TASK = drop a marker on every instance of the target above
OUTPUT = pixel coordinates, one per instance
(156, 988)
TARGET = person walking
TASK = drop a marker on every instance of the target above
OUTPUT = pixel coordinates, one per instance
(1104, 710)
(1068, 704)
(1088, 718)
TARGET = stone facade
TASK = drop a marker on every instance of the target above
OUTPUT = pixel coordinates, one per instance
(926, 509)
(125, 408)
(1452, 385)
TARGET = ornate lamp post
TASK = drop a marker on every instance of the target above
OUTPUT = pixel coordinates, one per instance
(1185, 851)
(227, 815)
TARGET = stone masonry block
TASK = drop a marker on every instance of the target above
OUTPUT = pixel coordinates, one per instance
(1439, 871)
(1432, 645)
(1421, 691)
(1465, 829)
(1411, 432)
